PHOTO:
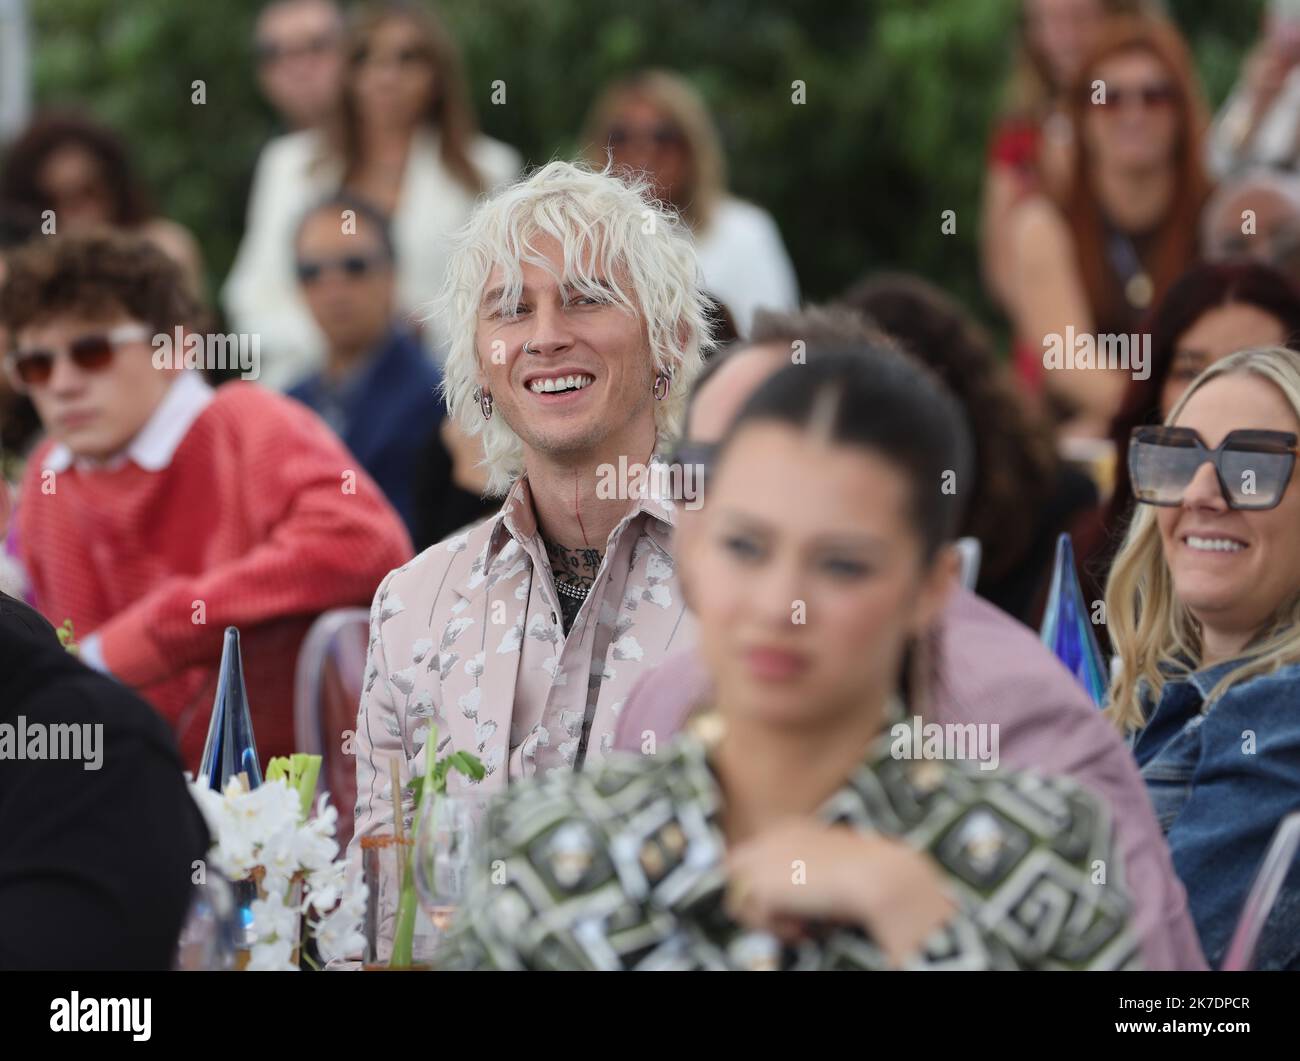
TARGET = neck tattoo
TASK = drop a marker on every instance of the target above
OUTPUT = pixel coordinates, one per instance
(574, 573)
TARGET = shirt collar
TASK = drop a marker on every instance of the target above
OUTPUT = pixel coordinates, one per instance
(1185, 686)
(517, 518)
(1207, 678)
(155, 444)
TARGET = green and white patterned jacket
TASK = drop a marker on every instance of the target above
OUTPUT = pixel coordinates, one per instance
(621, 867)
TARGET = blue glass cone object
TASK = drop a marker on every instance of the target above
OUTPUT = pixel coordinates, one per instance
(1067, 626)
(230, 749)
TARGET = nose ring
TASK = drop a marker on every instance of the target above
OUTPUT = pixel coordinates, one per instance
(529, 348)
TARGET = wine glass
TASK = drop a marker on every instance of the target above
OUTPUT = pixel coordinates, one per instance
(445, 848)
(213, 932)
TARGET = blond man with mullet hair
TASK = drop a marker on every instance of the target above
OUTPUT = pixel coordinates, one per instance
(577, 326)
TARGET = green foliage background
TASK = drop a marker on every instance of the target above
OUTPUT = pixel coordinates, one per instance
(900, 95)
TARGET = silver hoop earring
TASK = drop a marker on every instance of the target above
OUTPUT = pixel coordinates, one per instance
(529, 348)
(662, 382)
(484, 400)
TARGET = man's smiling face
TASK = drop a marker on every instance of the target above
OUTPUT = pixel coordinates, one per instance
(584, 387)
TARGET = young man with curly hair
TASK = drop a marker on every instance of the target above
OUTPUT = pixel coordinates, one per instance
(159, 511)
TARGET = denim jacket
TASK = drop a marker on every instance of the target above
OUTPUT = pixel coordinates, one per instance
(1221, 781)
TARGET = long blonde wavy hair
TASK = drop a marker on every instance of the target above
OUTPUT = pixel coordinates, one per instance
(607, 227)
(672, 95)
(1148, 624)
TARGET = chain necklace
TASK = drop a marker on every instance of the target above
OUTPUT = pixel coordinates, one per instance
(561, 560)
(572, 592)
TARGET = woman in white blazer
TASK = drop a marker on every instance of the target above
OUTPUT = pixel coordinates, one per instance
(404, 139)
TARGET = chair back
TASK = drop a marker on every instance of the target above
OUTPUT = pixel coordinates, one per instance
(327, 694)
(1262, 897)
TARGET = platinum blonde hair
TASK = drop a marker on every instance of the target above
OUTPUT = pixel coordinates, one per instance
(610, 230)
(1150, 627)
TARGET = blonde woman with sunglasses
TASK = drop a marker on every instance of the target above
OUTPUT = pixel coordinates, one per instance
(1202, 606)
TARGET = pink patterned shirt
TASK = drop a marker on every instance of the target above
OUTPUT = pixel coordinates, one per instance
(468, 635)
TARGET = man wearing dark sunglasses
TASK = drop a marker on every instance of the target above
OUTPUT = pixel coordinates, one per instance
(378, 389)
(159, 510)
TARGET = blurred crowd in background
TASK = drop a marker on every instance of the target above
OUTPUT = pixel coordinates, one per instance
(1123, 219)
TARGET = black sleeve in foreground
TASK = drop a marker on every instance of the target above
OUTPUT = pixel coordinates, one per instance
(96, 864)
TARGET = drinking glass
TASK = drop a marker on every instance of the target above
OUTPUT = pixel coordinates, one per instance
(445, 849)
(213, 932)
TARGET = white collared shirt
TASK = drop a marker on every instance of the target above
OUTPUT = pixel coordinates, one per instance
(156, 443)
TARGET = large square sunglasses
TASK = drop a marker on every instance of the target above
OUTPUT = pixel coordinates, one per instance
(1253, 467)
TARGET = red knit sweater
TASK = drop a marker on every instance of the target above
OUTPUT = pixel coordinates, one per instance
(254, 524)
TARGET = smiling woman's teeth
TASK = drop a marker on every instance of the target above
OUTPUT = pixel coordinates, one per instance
(1214, 545)
(560, 383)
